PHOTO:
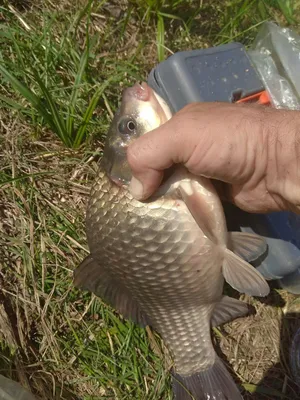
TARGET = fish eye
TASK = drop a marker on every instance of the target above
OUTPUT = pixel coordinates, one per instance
(127, 126)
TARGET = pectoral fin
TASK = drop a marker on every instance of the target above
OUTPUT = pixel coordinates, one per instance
(199, 207)
(227, 310)
(249, 246)
(243, 277)
(91, 276)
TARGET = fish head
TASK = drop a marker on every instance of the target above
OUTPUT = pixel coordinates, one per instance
(141, 111)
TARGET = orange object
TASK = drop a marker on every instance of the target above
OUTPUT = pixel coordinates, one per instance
(261, 98)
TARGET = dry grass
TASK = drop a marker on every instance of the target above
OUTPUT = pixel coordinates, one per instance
(55, 340)
(40, 210)
(258, 346)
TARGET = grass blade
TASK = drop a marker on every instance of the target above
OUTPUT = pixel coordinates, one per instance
(245, 31)
(251, 388)
(262, 10)
(126, 20)
(170, 16)
(91, 108)
(75, 92)
(27, 176)
(160, 38)
(287, 10)
(12, 104)
(20, 87)
(87, 116)
(81, 70)
(17, 48)
(234, 21)
(83, 12)
(29, 96)
(57, 122)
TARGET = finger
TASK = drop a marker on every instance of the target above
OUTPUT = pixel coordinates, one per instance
(154, 152)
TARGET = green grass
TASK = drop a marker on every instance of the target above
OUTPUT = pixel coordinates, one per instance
(54, 64)
(57, 72)
(62, 70)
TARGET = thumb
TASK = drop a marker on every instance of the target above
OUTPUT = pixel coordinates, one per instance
(148, 157)
(152, 153)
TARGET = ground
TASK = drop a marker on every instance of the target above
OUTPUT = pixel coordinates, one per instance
(57, 341)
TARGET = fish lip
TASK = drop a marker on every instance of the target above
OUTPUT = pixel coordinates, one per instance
(118, 181)
(107, 164)
(108, 167)
(144, 93)
(138, 91)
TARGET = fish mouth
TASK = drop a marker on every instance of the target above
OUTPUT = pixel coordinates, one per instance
(115, 166)
(139, 91)
(114, 175)
(118, 181)
(144, 93)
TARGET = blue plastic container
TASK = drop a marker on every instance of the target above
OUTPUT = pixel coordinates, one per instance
(282, 233)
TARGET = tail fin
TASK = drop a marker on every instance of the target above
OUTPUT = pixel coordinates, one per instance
(214, 383)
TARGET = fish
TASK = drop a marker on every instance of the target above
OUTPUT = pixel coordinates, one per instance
(163, 262)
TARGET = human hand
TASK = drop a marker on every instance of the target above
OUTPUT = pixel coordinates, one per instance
(253, 153)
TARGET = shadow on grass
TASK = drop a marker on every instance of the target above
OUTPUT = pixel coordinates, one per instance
(31, 378)
(279, 382)
(23, 364)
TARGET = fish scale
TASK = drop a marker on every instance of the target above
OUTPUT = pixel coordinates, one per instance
(167, 284)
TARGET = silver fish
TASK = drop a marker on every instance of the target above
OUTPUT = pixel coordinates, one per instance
(163, 262)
